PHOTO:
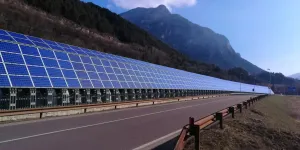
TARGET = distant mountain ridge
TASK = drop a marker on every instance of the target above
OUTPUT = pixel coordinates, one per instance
(295, 76)
(198, 43)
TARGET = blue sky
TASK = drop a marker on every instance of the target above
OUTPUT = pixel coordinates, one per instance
(265, 32)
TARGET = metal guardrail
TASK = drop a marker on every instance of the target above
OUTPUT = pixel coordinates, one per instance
(193, 128)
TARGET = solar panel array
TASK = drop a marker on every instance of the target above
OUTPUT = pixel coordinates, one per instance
(32, 62)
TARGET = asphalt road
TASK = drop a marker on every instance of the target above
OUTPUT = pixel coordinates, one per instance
(112, 130)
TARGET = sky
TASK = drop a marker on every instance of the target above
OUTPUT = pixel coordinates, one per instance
(264, 32)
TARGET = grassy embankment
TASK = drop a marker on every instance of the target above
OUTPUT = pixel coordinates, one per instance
(272, 123)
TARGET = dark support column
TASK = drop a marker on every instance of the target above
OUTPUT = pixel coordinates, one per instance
(240, 107)
(231, 110)
(50, 97)
(88, 96)
(219, 116)
(99, 96)
(77, 97)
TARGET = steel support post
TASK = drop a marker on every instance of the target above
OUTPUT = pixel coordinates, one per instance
(99, 100)
(77, 97)
(13, 99)
(32, 98)
(65, 97)
(88, 96)
(50, 97)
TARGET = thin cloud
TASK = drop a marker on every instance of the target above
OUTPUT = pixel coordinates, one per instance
(130, 4)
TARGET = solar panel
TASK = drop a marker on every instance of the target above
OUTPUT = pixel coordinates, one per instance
(20, 81)
(4, 82)
(75, 67)
(9, 47)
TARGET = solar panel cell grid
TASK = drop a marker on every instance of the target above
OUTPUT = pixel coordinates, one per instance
(53, 72)
(96, 61)
(41, 44)
(93, 75)
(74, 58)
(58, 82)
(97, 84)
(109, 70)
(12, 58)
(86, 83)
(6, 37)
(2, 69)
(107, 84)
(17, 35)
(20, 81)
(23, 41)
(3, 32)
(73, 83)
(29, 50)
(9, 47)
(78, 66)
(113, 77)
(4, 82)
(35, 39)
(47, 53)
(32, 60)
(50, 63)
(86, 60)
(89, 67)
(41, 82)
(16, 69)
(65, 64)
(69, 73)
(82, 75)
(100, 69)
(62, 56)
(105, 62)
(37, 71)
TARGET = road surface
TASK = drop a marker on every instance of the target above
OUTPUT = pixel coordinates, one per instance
(112, 130)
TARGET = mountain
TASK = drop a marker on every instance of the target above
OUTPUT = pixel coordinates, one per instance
(196, 42)
(295, 76)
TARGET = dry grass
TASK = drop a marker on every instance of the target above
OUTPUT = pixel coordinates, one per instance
(269, 124)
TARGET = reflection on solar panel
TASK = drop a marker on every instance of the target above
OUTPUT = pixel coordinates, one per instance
(31, 62)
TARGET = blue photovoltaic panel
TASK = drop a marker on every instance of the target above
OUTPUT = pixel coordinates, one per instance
(93, 75)
(112, 77)
(35, 39)
(49, 42)
(105, 62)
(69, 73)
(56, 47)
(4, 82)
(89, 67)
(133, 73)
(32, 60)
(78, 66)
(47, 53)
(53, 72)
(12, 58)
(2, 69)
(124, 84)
(16, 69)
(41, 82)
(75, 58)
(20, 81)
(41, 44)
(82, 75)
(50, 62)
(65, 64)
(37, 71)
(86, 60)
(58, 82)
(62, 56)
(116, 84)
(107, 84)
(23, 41)
(96, 61)
(97, 84)
(86, 83)
(3, 32)
(7, 38)
(103, 76)
(74, 83)
(29, 50)
(9, 47)
(100, 69)
(17, 35)
(109, 70)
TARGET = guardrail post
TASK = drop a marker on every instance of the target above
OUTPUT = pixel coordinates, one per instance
(41, 115)
(231, 110)
(194, 131)
(245, 104)
(249, 102)
(219, 116)
(84, 110)
(240, 107)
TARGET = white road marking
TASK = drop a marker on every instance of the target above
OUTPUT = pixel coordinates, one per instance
(101, 123)
(159, 140)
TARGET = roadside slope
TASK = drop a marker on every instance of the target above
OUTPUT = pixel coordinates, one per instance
(269, 124)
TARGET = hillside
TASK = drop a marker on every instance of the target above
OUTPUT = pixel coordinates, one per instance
(20, 17)
(295, 76)
(196, 42)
